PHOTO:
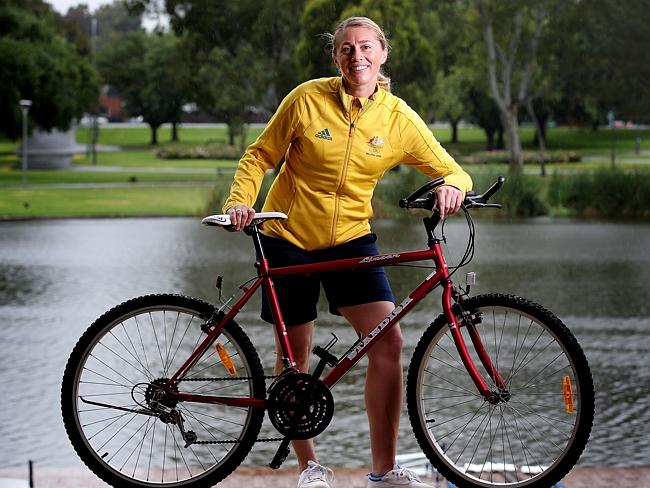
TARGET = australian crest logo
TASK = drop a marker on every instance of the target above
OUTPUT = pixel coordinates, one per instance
(324, 134)
(375, 145)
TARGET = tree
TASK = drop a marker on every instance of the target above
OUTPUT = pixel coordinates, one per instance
(275, 33)
(313, 54)
(40, 65)
(148, 71)
(614, 37)
(113, 21)
(512, 59)
(450, 98)
(240, 53)
(412, 62)
(228, 83)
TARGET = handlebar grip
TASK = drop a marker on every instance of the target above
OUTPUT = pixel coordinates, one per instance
(493, 189)
(404, 202)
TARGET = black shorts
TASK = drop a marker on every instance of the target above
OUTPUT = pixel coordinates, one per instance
(298, 295)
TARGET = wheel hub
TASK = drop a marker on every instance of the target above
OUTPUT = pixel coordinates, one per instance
(156, 394)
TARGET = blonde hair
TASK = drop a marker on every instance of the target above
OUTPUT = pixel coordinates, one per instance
(334, 39)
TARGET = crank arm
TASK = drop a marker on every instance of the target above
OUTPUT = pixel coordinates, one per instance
(123, 409)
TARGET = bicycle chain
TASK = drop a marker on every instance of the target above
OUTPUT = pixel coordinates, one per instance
(239, 378)
(221, 378)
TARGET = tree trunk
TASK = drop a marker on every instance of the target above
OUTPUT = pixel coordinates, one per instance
(175, 131)
(489, 135)
(154, 135)
(454, 131)
(504, 64)
(231, 135)
(243, 137)
(513, 142)
(541, 140)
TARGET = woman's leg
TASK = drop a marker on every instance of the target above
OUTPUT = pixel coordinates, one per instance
(300, 338)
(383, 382)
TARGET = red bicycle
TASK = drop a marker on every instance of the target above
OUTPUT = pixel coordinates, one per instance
(169, 390)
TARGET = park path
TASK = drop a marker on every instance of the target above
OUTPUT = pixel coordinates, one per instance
(580, 477)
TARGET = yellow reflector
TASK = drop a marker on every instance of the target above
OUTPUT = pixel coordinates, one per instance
(567, 388)
(225, 359)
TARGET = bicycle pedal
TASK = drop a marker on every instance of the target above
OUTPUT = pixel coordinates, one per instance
(325, 355)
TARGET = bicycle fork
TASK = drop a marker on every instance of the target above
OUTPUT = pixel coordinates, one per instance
(469, 321)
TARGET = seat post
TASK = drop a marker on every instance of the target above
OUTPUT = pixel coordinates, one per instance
(254, 232)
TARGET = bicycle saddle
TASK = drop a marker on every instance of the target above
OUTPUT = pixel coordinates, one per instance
(223, 220)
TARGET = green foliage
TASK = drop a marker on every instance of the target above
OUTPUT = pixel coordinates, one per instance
(523, 196)
(313, 54)
(394, 186)
(449, 103)
(220, 191)
(529, 157)
(209, 150)
(228, 82)
(217, 196)
(112, 21)
(39, 65)
(149, 72)
(276, 32)
(606, 193)
(412, 61)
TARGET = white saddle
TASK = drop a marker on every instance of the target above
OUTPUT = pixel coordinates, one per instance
(223, 220)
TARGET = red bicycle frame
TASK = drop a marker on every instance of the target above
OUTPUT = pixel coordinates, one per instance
(266, 275)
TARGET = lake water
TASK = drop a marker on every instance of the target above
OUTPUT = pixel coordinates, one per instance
(56, 277)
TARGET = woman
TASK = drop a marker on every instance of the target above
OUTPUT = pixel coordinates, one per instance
(338, 136)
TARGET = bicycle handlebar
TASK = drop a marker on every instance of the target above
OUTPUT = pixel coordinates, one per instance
(472, 200)
(405, 202)
(481, 201)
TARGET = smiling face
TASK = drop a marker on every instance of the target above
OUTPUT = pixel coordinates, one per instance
(359, 55)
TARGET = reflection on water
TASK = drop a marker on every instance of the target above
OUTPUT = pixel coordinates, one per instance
(56, 277)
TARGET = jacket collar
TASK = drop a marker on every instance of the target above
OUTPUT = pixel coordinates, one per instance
(366, 103)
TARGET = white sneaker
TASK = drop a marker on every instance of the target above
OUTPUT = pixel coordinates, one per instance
(398, 477)
(315, 476)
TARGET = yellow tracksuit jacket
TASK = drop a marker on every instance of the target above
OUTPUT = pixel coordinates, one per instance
(334, 154)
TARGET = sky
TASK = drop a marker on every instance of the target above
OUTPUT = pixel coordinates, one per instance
(62, 6)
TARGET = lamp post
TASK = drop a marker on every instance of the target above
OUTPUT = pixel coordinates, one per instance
(24, 106)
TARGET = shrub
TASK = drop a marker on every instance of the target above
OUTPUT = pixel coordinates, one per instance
(530, 157)
(209, 150)
(221, 190)
(604, 193)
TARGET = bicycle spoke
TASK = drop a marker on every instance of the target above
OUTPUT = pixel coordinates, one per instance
(527, 430)
(126, 421)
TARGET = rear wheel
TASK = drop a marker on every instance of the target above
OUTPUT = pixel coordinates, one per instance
(121, 422)
(534, 434)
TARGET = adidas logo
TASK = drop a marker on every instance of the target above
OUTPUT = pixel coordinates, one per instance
(324, 134)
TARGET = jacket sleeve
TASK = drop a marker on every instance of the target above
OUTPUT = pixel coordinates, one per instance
(265, 153)
(425, 153)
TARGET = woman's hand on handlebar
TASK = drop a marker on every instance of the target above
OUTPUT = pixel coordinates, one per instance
(448, 200)
(241, 216)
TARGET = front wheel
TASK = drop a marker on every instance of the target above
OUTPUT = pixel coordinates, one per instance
(122, 422)
(534, 434)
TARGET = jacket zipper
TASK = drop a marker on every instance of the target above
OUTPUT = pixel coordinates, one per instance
(344, 172)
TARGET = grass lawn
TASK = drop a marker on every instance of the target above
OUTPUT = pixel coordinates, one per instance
(102, 202)
(146, 158)
(135, 137)
(133, 181)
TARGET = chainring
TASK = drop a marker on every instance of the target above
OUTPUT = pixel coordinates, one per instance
(299, 405)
